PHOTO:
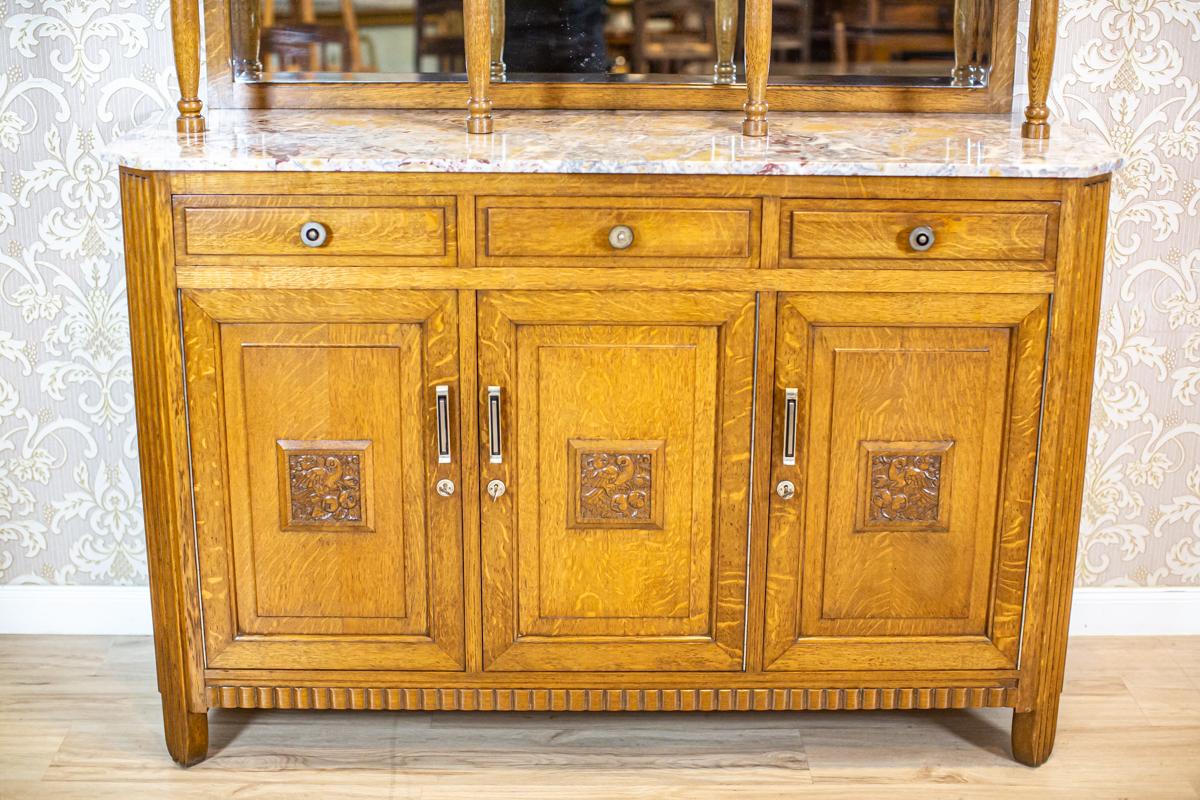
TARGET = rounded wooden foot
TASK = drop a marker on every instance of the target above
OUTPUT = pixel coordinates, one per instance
(1033, 735)
(755, 121)
(1035, 130)
(479, 116)
(187, 736)
(190, 126)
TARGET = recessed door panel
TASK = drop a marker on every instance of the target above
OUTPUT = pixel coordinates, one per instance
(620, 541)
(916, 429)
(315, 451)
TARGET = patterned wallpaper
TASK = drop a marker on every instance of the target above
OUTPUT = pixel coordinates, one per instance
(75, 73)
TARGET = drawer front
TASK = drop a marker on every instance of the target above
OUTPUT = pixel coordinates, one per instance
(626, 231)
(961, 234)
(414, 231)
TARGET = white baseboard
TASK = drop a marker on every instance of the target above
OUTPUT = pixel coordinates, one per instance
(1165, 611)
(125, 611)
(94, 610)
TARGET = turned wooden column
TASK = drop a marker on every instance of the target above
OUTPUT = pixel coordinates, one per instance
(758, 64)
(497, 57)
(1043, 30)
(478, 32)
(726, 13)
(185, 36)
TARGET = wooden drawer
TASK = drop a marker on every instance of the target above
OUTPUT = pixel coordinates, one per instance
(575, 231)
(360, 231)
(966, 234)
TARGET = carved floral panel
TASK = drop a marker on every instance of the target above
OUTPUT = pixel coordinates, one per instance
(324, 484)
(616, 483)
(905, 487)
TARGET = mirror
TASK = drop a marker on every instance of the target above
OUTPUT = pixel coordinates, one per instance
(854, 42)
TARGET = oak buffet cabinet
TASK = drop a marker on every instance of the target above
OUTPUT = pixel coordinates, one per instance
(614, 411)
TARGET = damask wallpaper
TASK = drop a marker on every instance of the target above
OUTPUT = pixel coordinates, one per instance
(75, 73)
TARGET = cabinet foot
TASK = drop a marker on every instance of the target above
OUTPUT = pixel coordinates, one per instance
(1033, 734)
(187, 735)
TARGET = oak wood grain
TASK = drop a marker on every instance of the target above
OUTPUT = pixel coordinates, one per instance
(967, 235)
(544, 231)
(381, 586)
(1067, 407)
(382, 231)
(630, 589)
(163, 457)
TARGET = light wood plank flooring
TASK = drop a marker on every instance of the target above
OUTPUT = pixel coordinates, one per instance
(79, 718)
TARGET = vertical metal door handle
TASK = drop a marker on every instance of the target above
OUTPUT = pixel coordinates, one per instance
(442, 395)
(791, 407)
(495, 454)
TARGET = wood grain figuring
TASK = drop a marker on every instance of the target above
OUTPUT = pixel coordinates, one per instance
(396, 231)
(1043, 33)
(757, 45)
(665, 187)
(847, 588)
(1064, 445)
(381, 591)
(163, 456)
(477, 37)
(568, 231)
(640, 556)
(611, 372)
(596, 699)
(985, 235)
(185, 39)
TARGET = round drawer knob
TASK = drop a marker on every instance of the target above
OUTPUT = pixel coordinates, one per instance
(786, 490)
(445, 487)
(313, 234)
(620, 237)
(921, 238)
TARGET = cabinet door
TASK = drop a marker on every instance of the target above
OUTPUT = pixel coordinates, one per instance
(620, 543)
(316, 451)
(916, 423)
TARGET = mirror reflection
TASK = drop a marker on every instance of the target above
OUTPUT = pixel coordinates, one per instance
(927, 42)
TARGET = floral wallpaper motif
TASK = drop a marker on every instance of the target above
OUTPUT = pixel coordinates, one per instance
(75, 73)
(1129, 70)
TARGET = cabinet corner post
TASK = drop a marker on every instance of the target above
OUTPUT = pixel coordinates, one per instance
(163, 455)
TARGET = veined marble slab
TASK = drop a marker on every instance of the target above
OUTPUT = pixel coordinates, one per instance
(617, 142)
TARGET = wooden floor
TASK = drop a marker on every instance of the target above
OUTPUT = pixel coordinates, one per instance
(79, 718)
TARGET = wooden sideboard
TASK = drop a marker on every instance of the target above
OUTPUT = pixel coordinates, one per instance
(611, 442)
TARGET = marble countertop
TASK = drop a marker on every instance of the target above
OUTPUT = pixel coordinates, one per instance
(616, 142)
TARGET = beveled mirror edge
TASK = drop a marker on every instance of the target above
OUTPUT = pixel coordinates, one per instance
(996, 97)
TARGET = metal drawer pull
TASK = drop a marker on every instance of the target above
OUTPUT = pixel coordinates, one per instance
(921, 238)
(791, 404)
(495, 455)
(313, 234)
(620, 237)
(442, 393)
